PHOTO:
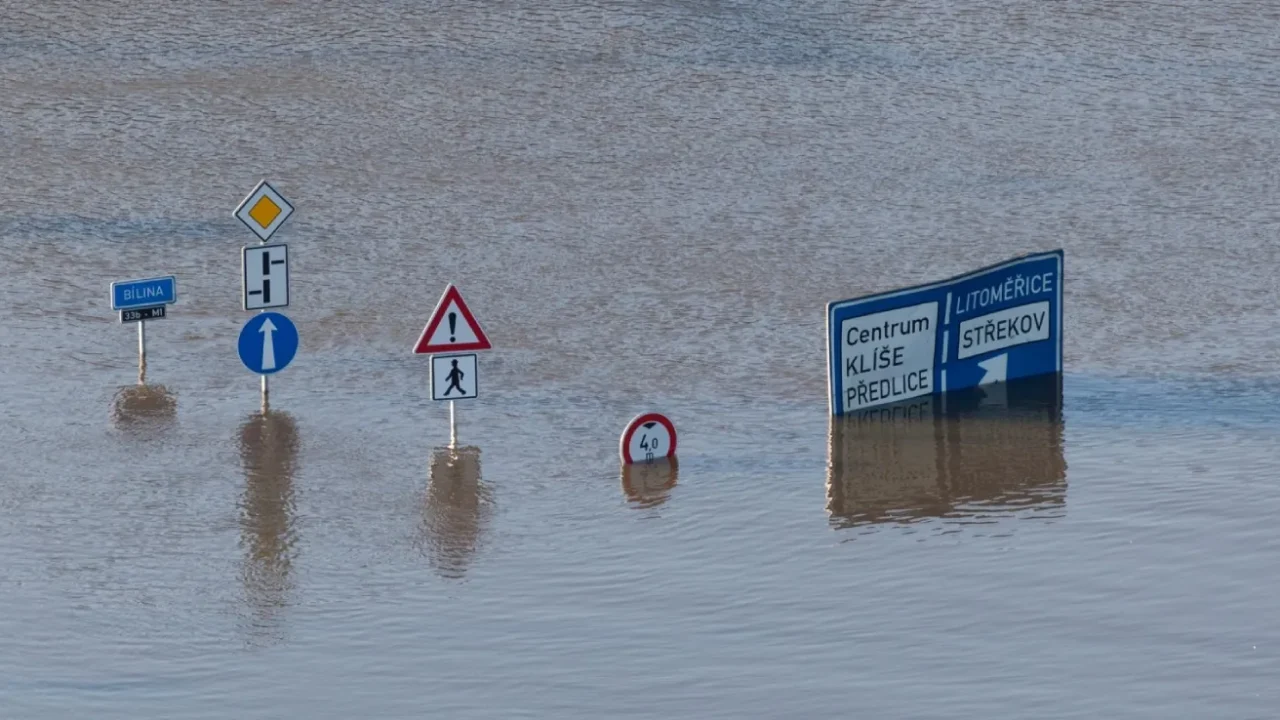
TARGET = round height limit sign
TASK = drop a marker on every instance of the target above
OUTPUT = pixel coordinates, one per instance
(647, 438)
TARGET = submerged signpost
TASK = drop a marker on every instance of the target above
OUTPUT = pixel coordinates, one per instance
(648, 452)
(264, 271)
(992, 325)
(448, 335)
(142, 300)
(646, 438)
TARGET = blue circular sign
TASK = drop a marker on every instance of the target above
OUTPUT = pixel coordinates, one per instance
(268, 343)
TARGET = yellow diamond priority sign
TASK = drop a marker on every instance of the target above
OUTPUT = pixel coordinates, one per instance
(264, 211)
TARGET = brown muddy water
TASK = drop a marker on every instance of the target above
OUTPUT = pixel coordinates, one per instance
(648, 205)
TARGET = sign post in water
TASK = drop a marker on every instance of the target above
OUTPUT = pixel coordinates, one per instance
(452, 330)
(999, 323)
(264, 281)
(142, 300)
(646, 438)
(268, 343)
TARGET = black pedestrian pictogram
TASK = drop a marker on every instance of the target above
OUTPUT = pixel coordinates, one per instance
(455, 380)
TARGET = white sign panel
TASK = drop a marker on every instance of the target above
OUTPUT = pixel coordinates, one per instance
(1006, 328)
(266, 276)
(889, 356)
(453, 377)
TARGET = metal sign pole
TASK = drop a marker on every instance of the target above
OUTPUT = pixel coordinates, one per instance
(142, 352)
(453, 428)
(266, 390)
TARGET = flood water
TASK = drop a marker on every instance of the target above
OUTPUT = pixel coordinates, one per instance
(647, 204)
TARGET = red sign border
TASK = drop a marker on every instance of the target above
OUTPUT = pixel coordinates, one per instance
(625, 443)
(437, 316)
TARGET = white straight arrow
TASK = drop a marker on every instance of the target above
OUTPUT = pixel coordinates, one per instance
(997, 369)
(268, 345)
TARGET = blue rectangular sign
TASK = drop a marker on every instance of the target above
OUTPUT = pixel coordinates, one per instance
(1000, 323)
(149, 292)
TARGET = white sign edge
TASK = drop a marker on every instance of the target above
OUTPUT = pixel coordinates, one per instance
(1059, 254)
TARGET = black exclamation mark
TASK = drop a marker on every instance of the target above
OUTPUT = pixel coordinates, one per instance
(453, 327)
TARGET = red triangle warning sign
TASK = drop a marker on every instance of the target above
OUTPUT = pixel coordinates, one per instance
(452, 327)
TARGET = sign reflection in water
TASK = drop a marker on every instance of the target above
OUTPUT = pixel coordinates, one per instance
(456, 510)
(138, 409)
(970, 457)
(648, 484)
(268, 447)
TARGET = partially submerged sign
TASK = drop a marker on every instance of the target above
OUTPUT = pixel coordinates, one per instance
(139, 301)
(264, 284)
(452, 329)
(1000, 323)
(648, 437)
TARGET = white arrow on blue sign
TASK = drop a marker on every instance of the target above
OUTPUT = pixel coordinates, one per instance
(268, 343)
(992, 325)
(148, 292)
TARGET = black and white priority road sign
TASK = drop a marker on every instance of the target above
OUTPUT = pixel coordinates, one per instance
(266, 276)
(453, 377)
(648, 437)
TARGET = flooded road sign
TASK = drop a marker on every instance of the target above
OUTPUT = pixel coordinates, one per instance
(452, 327)
(265, 280)
(992, 325)
(148, 292)
(263, 211)
(142, 300)
(453, 377)
(648, 437)
(268, 343)
(265, 276)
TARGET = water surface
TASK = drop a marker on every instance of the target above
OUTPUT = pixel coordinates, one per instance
(648, 205)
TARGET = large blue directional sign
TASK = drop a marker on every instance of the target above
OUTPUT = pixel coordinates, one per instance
(268, 343)
(149, 292)
(1000, 323)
